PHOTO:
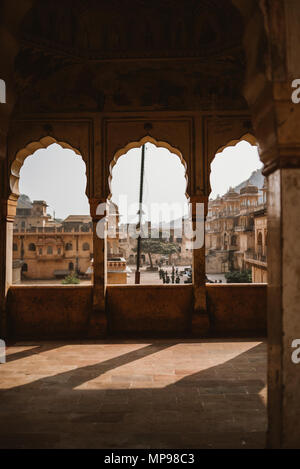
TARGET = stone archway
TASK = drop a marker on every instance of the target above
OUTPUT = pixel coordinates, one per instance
(139, 144)
(176, 206)
(248, 137)
(192, 313)
(13, 195)
(22, 154)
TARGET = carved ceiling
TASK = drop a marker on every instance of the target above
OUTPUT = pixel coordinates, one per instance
(97, 55)
(107, 29)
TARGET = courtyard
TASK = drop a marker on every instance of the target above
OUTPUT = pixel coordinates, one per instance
(134, 394)
(147, 278)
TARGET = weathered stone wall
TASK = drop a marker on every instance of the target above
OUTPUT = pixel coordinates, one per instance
(237, 309)
(64, 312)
(150, 310)
(49, 312)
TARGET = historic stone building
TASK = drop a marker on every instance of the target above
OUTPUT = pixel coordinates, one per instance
(193, 77)
(256, 259)
(235, 225)
(45, 249)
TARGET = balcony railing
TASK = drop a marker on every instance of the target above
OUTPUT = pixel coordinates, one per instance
(243, 228)
(255, 256)
(54, 230)
(49, 257)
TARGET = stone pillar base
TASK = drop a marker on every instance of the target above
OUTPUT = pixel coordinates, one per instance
(97, 327)
(200, 317)
(200, 324)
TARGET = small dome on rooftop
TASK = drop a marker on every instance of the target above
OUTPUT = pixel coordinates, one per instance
(249, 189)
(231, 193)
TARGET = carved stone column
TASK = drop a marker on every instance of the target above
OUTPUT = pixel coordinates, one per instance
(8, 212)
(273, 34)
(98, 319)
(200, 319)
(283, 306)
(2, 269)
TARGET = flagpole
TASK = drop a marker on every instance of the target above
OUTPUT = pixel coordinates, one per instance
(138, 256)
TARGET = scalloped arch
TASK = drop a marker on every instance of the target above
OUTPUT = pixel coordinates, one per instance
(29, 150)
(140, 143)
(232, 143)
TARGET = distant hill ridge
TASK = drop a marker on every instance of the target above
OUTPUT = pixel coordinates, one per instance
(256, 179)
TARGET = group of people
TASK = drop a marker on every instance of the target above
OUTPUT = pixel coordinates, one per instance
(166, 278)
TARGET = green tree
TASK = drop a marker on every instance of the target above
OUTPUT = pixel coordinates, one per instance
(157, 246)
(71, 279)
(243, 276)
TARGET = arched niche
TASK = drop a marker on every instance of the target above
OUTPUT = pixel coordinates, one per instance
(176, 134)
(139, 144)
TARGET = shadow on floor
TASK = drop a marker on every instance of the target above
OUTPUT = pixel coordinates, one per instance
(30, 350)
(218, 407)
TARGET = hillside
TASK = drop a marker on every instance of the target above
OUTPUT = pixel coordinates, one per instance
(256, 179)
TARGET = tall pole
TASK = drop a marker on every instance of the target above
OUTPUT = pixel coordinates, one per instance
(138, 256)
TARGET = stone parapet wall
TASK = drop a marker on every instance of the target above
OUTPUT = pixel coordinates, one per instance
(237, 309)
(48, 312)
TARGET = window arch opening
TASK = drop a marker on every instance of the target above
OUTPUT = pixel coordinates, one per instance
(52, 221)
(165, 254)
(237, 211)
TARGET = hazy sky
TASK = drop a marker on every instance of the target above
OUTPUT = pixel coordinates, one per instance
(57, 176)
(164, 182)
(233, 166)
